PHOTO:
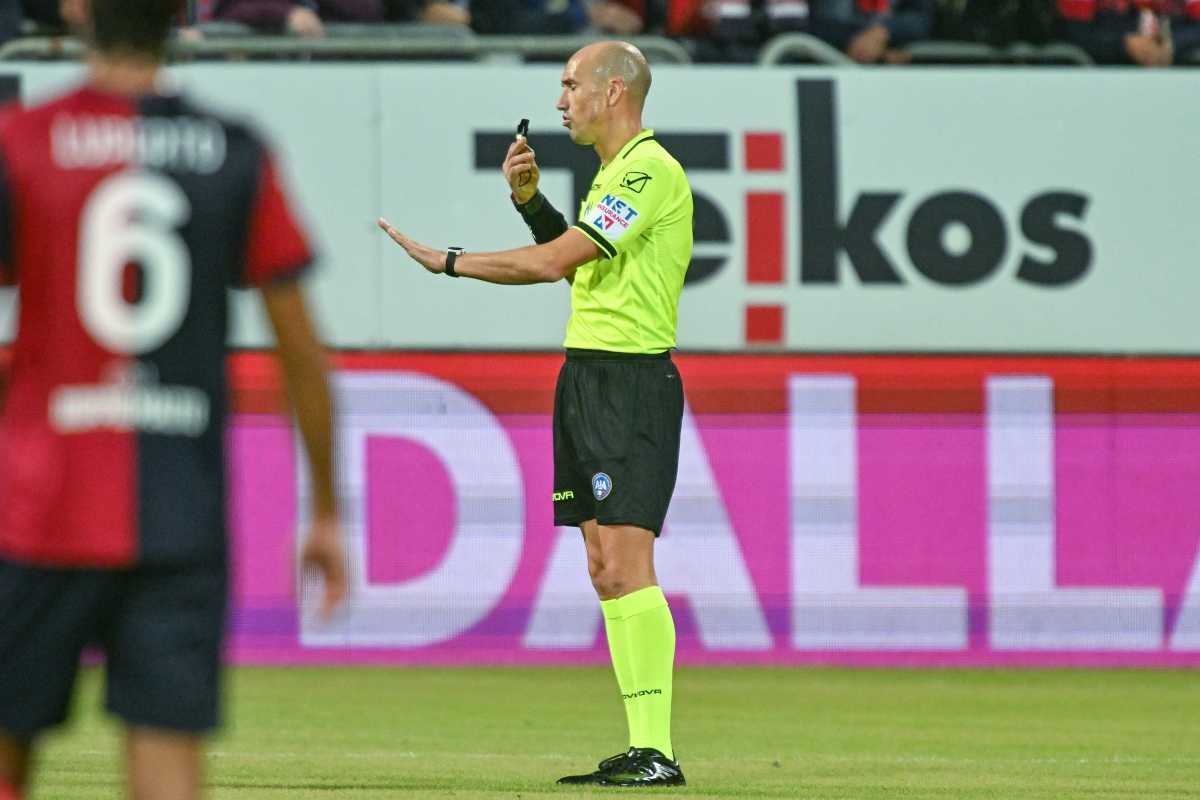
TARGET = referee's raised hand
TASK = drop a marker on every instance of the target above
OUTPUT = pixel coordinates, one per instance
(427, 257)
(521, 170)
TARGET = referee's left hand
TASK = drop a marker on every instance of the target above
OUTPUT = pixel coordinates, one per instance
(427, 257)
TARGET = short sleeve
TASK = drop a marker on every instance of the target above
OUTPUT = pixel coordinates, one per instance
(276, 247)
(632, 201)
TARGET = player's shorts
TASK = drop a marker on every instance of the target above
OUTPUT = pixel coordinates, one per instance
(160, 629)
(617, 418)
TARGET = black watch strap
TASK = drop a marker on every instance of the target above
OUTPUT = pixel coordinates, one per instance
(452, 254)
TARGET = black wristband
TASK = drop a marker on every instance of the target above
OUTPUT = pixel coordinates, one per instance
(544, 220)
(532, 207)
(452, 254)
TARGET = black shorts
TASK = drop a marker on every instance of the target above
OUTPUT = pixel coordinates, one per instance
(617, 419)
(160, 629)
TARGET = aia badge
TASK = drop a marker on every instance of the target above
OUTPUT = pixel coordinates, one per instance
(635, 181)
(612, 216)
(601, 485)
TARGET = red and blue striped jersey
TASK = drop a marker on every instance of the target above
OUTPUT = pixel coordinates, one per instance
(123, 222)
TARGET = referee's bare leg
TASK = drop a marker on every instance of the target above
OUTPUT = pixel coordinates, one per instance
(163, 765)
(620, 558)
(15, 758)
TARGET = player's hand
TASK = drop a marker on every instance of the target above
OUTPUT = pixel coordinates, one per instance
(615, 18)
(305, 22)
(1140, 48)
(521, 170)
(323, 554)
(1166, 52)
(427, 257)
(440, 12)
(869, 45)
(1149, 51)
(76, 14)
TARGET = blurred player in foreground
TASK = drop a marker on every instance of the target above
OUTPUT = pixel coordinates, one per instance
(619, 401)
(125, 214)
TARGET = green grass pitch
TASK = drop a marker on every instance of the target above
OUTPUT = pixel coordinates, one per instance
(365, 733)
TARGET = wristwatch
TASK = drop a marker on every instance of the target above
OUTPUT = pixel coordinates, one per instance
(452, 254)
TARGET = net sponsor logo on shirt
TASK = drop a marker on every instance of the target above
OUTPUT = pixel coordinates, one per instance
(613, 216)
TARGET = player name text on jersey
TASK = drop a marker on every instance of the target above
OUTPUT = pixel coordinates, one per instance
(188, 144)
(134, 400)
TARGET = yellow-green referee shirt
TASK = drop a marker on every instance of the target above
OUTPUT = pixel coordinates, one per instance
(639, 213)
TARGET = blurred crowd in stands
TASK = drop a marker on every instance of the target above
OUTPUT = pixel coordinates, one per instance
(1139, 32)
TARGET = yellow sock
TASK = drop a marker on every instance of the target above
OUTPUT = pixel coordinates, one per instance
(650, 637)
(618, 650)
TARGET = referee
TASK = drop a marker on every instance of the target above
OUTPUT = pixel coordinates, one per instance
(619, 401)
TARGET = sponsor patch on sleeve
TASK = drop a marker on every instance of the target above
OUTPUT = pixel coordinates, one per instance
(612, 216)
(635, 181)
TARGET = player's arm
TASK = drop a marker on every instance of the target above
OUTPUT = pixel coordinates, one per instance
(302, 360)
(276, 255)
(539, 263)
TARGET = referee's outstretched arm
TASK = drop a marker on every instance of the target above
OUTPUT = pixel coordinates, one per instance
(539, 263)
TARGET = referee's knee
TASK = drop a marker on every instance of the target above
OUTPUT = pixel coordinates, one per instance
(595, 568)
(608, 581)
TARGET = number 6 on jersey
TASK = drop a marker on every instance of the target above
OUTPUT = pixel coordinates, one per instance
(133, 217)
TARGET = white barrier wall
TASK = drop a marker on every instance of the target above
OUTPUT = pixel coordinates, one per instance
(863, 210)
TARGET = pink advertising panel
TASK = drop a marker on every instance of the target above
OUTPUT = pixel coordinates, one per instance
(855, 510)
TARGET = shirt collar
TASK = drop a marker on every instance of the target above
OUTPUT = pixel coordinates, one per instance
(643, 135)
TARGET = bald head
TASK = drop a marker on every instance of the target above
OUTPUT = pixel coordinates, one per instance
(607, 60)
(604, 91)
